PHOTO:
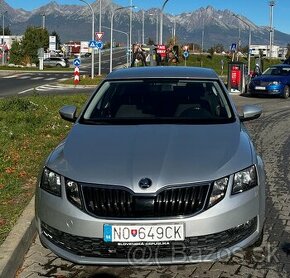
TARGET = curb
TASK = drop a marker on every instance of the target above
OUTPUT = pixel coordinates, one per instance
(17, 243)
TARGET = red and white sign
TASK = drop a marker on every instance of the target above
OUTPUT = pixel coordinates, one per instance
(99, 35)
(161, 49)
(77, 75)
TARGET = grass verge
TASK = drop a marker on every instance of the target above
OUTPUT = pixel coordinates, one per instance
(30, 128)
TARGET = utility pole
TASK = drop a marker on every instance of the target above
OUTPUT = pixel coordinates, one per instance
(271, 5)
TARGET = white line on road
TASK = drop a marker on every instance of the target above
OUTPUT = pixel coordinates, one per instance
(25, 91)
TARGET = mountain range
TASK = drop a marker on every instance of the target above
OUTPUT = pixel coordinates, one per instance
(74, 23)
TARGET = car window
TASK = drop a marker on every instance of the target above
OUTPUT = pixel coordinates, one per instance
(155, 99)
(277, 71)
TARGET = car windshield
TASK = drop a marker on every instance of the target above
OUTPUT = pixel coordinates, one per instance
(284, 71)
(155, 101)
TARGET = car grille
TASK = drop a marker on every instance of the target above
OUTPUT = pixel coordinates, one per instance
(192, 246)
(119, 202)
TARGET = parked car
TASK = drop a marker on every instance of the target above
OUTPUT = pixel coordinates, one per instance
(56, 62)
(157, 168)
(273, 81)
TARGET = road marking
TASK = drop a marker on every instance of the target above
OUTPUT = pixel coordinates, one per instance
(24, 77)
(25, 91)
(50, 78)
(49, 87)
(37, 78)
(11, 76)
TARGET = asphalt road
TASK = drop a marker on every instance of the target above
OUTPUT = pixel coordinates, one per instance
(272, 139)
(14, 83)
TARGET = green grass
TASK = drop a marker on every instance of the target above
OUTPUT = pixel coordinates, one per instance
(30, 128)
(85, 80)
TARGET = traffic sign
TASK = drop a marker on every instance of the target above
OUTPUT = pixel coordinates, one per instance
(99, 35)
(234, 47)
(185, 54)
(99, 44)
(77, 62)
(92, 44)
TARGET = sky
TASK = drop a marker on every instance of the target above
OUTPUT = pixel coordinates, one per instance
(257, 11)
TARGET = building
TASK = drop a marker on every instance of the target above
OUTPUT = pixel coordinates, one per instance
(277, 51)
(8, 40)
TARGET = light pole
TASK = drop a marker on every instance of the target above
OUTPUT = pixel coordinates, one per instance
(271, 4)
(111, 43)
(3, 37)
(130, 32)
(43, 21)
(93, 36)
(143, 26)
(127, 36)
(156, 26)
(100, 30)
(161, 21)
(249, 43)
(174, 30)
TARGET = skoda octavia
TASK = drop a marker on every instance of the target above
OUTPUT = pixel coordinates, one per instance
(157, 168)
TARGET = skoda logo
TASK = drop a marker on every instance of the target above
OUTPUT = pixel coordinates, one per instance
(145, 183)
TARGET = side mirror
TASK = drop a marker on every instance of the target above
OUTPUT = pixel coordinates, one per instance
(68, 113)
(250, 112)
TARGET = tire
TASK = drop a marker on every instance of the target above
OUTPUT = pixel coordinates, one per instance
(58, 66)
(286, 92)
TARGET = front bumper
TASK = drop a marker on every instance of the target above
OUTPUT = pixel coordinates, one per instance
(231, 225)
(269, 90)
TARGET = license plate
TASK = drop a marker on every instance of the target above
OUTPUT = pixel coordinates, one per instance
(143, 233)
(260, 88)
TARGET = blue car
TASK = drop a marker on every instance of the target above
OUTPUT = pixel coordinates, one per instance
(273, 81)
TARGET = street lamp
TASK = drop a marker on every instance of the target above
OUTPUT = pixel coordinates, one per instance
(249, 46)
(161, 21)
(156, 26)
(143, 26)
(127, 36)
(130, 31)
(111, 43)
(3, 38)
(93, 36)
(100, 30)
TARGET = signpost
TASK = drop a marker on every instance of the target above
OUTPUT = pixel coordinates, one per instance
(99, 36)
(185, 55)
(77, 63)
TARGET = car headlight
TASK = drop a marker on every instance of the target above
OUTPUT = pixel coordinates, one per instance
(218, 191)
(245, 180)
(275, 83)
(51, 182)
(73, 193)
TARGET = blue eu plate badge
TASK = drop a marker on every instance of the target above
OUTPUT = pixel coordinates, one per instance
(107, 233)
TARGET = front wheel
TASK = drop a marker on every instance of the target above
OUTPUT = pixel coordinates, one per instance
(286, 92)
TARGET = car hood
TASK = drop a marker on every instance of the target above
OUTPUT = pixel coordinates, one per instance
(167, 154)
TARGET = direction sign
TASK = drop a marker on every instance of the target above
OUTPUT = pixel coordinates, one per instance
(99, 35)
(99, 44)
(77, 62)
(185, 54)
(234, 47)
(92, 44)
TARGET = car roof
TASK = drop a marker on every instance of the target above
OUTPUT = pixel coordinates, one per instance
(163, 72)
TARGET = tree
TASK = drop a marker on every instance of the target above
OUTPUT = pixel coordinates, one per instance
(33, 39)
(16, 53)
(288, 51)
(7, 31)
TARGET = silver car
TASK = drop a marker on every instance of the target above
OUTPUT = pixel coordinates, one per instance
(158, 168)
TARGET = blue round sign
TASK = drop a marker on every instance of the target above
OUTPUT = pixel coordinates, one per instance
(185, 54)
(77, 62)
(100, 44)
